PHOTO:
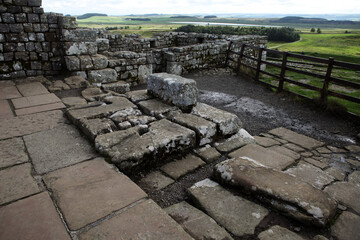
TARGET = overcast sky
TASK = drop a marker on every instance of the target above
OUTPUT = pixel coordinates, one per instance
(123, 7)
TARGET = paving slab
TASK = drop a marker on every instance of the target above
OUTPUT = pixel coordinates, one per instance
(299, 139)
(32, 218)
(294, 147)
(208, 153)
(353, 148)
(286, 151)
(197, 223)
(346, 227)
(277, 232)
(264, 156)
(23, 125)
(31, 89)
(240, 139)
(311, 174)
(57, 148)
(205, 130)
(156, 108)
(5, 109)
(36, 100)
(94, 94)
(354, 177)
(91, 190)
(38, 109)
(142, 221)
(178, 168)
(76, 82)
(6, 83)
(236, 214)
(16, 182)
(284, 192)
(156, 180)
(138, 96)
(337, 173)
(227, 123)
(12, 152)
(346, 193)
(265, 141)
(97, 126)
(317, 163)
(9, 92)
(336, 150)
(323, 150)
(73, 101)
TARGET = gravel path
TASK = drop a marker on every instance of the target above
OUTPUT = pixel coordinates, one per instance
(261, 110)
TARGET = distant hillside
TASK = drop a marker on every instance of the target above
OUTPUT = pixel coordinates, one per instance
(183, 17)
(210, 16)
(294, 19)
(137, 19)
(89, 15)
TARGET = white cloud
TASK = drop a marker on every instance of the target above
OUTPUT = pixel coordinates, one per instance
(121, 7)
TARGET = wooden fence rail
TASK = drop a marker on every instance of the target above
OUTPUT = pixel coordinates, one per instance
(284, 67)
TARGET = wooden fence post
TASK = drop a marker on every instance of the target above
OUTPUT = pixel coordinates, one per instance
(282, 74)
(240, 58)
(228, 54)
(258, 67)
(324, 92)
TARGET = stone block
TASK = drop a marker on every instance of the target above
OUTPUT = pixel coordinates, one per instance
(156, 181)
(178, 168)
(94, 127)
(68, 22)
(31, 89)
(346, 193)
(76, 82)
(156, 108)
(99, 61)
(75, 48)
(34, 3)
(73, 101)
(181, 92)
(36, 100)
(144, 72)
(208, 153)
(346, 227)
(174, 68)
(86, 62)
(107, 75)
(79, 35)
(119, 87)
(102, 44)
(277, 232)
(9, 92)
(138, 96)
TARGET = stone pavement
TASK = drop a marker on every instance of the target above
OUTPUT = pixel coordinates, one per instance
(54, 185)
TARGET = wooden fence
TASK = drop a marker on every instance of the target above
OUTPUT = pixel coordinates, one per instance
(284, 67)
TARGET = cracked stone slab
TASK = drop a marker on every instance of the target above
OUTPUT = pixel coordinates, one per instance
(299, 139)
(145, 220)
(285, 192)
(94, 127)
(178, 168)
(156, 108)
(156, 180)
(346, 193)
(16, 182)
(57, 148)
(312, 175)
(12, 152)
(205, 130)
(196, 223)
(277, 232)
(240, 139)
(227, 123)
(236, 214)
(208, 153)
(34, 217)
(346, 227)
(91, 190)
(138, 96)
(264, 156)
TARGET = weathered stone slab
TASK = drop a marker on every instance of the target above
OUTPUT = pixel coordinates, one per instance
(91, 190)
(227, 123)
(352, 178)
(12, 152)
(138, 96)
(266, 142)
(32, 218)
(76, 82)
(181, 92)
(9, 92)
(5, 110)
(240, 139)
(236, 214)
(58, 85)
(38, 109)
(205, 130)
(353, 148)
(119, 87)
(31, 89)
(337, 173)
(336, 150)
(316, 163)
(346, 193)
(16, 182)
(23, 125)
(156, 180)
(196, 223)
(73, 101)
(140, 120)
(57, 148)
(144, 220)
(36, 100)
(94, 94)
(277, 232)
(94, 127)
(181, 167)
(99, 111)
(156, 108)
(107, 75)
(312, 175)
(285, 151)
(294, 147)
(299, 139)
(346, 227)
(285, 192)
(323, 150)
(208, 153)
(264, 156)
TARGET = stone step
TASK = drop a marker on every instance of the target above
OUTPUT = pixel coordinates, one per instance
(236, 214)
(285, 192)
(277, 232)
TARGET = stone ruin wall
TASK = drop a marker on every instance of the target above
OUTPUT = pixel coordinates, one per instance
(36, 43)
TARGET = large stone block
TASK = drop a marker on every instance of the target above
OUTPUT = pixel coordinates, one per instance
(181, 92)
(68, 22)
(107, 75)
(99, 61)
(79, 35)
